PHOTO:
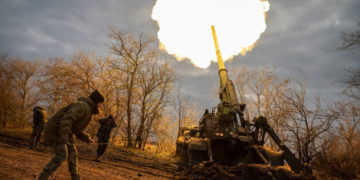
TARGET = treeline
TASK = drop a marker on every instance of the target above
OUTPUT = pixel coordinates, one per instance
(135, 83)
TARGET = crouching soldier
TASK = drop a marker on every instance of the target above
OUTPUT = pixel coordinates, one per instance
(70, 120)
(39, 121)
(103, 134)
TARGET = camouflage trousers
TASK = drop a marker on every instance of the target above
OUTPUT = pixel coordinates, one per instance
(102, 146)
(35, 136)
(62, 152)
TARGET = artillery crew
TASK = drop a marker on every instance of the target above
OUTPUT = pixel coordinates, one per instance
(70, 120)
(103, 134)
(39, 121)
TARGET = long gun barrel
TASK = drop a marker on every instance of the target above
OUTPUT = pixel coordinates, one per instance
(227, 90)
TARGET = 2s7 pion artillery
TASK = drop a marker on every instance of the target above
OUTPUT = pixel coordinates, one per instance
(226, 137)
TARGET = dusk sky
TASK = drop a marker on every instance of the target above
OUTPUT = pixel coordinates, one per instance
(299, 38)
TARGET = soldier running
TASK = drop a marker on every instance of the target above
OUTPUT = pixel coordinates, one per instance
(39, 121)
(70, 120)
(103, 134)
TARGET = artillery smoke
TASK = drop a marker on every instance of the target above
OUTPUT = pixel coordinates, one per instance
(184, 27)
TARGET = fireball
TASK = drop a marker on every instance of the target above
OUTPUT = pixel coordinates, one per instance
(184, 27)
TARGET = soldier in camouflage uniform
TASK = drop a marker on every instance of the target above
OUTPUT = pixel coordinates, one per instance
(103, 134)
(39, 121)
(70, 120)
(226, 117)
(204, 122)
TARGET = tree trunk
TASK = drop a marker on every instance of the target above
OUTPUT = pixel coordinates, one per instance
(128, 129)
(145, 140)
(138, 143)
(148, 129)
(115, 133)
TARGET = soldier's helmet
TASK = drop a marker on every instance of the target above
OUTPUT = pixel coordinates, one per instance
(97, 97)
(37, 108)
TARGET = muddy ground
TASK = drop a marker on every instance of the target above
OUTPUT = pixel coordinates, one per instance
(17, 161)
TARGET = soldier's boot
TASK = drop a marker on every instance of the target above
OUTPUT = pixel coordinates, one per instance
(75, 177)
(32, 142)
(50, 168)
(97, 158)
(31, 146)
(55, 162)
(98, 152)
(44, 175)
(37, 140)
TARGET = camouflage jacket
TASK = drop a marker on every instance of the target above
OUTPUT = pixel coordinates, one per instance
(72, 119)
(105, 128)
(39, 117)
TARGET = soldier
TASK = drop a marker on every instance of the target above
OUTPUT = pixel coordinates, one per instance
(103, 135)
(226, 117)
(204, 122)
(39, 121)
(70, 120)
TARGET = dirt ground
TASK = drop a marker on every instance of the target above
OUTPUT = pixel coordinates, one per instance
(210, 171)
(17, 161)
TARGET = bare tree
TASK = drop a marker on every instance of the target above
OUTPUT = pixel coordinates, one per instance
(155, 81)
(164, 134)
(119, 111)
(352, 78)
(57, 84)
(339, 156)
(24, 73)
(308, 122)
(106, 78)
(85, 71)
(178, 105)
(132, 53)
(8, 101)
(186, 113)
(64, 81)
(111, 89)
(264, 94)
(351, 40)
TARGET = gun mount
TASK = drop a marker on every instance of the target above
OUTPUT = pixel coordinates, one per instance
(224, 136)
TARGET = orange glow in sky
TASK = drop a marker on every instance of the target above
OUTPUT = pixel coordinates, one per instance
(184, 27)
